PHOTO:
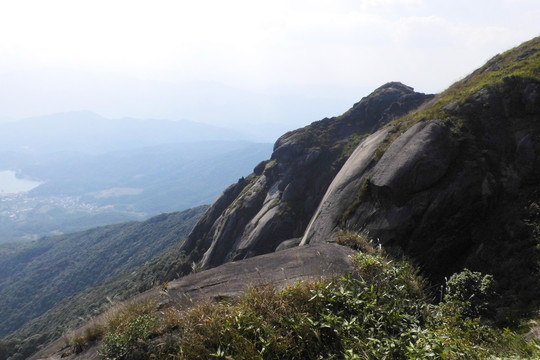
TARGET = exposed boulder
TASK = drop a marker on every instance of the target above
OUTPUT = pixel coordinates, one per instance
(416, 160)
(281, 269)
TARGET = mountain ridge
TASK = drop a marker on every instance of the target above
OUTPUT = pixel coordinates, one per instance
(276, 201)
(86, 131)
(450, 181)
(424, 143)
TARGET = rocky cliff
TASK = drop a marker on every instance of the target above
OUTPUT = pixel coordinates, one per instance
(447, 180)
(429, 184)
(276, 202)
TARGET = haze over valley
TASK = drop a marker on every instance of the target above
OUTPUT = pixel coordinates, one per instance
(72, 171)
(301, 180)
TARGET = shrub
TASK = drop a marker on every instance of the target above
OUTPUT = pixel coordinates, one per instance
(129, 341)
(472, 291)
(379, 312)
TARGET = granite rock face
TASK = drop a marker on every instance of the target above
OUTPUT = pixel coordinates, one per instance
(414, 162)
(425, 185)
(277, 201)
(418, 189)
(427, 192)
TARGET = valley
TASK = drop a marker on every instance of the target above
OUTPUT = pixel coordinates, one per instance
(78, 191)
(26, 218)
(407, 227)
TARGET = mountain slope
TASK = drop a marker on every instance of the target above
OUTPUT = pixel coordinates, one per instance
(80, 308)
(228, 281)
(36, 276)
(450, 181)
(459, 181)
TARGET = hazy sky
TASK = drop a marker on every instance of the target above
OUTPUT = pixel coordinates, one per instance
(161, 58)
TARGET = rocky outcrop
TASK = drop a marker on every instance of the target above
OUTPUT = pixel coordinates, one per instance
(427, 193)
(228, 281)
(423, 185)
(277, 201)
(415, 161)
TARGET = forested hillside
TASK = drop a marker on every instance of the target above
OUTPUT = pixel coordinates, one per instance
(37, 276)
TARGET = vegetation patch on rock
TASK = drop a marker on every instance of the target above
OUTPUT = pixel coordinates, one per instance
(381, 311)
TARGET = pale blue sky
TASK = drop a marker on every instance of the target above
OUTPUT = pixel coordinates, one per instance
(138, 58)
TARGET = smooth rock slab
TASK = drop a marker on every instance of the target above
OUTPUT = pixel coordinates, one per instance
(283, 268)
(416, 160)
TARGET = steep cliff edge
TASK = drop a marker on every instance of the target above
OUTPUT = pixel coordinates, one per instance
(277, 201)
(450, 181)
(457, 183)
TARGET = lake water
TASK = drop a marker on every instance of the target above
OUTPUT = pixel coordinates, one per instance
(10, 184)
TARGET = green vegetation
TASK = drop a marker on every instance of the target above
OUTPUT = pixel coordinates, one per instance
(55, 284)
(270, 165)
(472, 290)
(382, 311)
(520, 62)
(84, 191)
(389, 139)
(351, 144)
(361, 196)
(359, 242)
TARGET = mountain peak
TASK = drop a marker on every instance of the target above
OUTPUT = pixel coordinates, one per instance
(412, 166)
(394, 85)
(275, 203)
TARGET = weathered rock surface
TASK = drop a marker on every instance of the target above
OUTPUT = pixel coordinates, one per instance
(343, 190)
(287, 267)
(415, 160)
(277, 201)
(283, 268)
(426, 193)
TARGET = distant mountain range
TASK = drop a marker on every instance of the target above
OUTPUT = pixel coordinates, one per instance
(88, 132)
(96, 171)
(262, 116)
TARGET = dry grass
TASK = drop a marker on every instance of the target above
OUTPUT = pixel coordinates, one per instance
(359, 242)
